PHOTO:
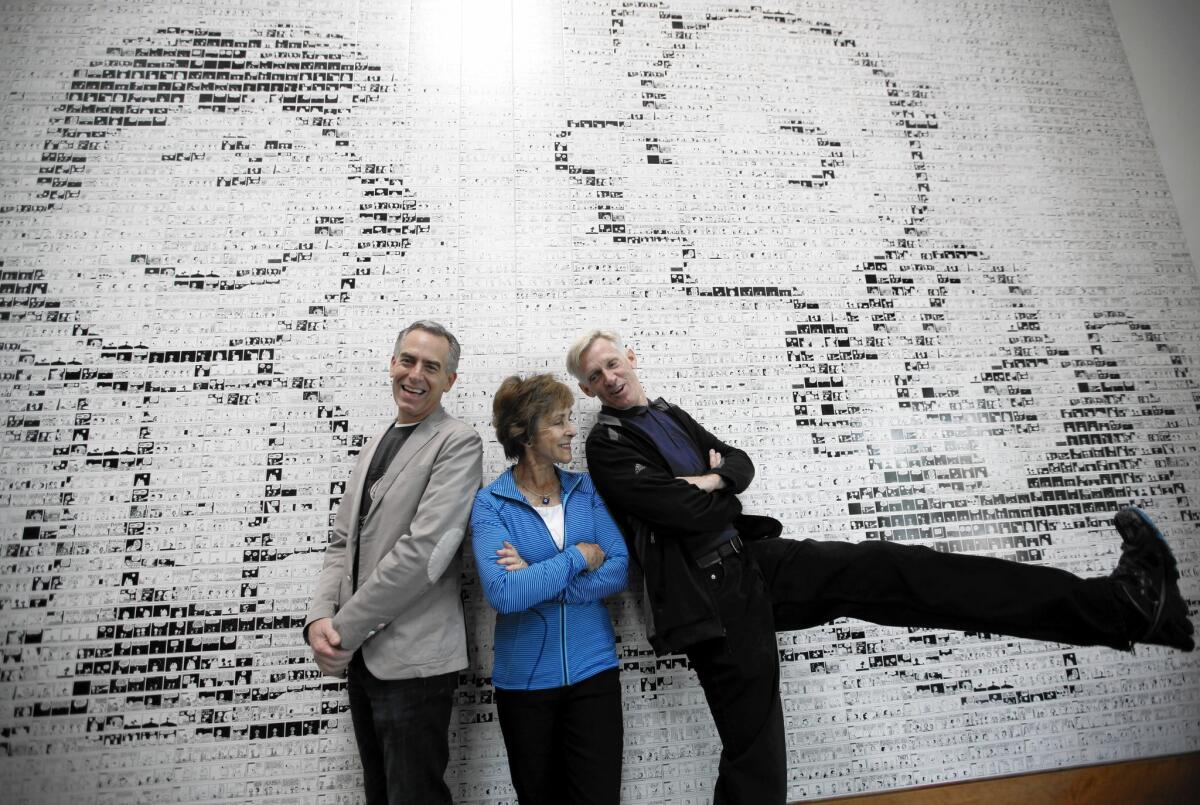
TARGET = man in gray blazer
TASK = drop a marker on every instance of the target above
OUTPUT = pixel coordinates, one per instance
(386, 612)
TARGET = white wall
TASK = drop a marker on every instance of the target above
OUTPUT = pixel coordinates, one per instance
(1162, 43)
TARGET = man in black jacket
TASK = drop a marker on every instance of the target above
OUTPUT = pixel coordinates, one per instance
(718, 585)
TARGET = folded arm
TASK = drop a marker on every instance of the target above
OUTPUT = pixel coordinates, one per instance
(642, 486)
(613, 575)
(517, 589)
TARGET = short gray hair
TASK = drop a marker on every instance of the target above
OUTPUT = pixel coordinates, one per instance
(583, 343)
(430, 326)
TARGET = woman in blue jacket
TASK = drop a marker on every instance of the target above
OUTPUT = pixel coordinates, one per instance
(548, 552)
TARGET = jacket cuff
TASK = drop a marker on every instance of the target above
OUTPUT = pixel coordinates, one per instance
(731, 481)
(578, 561)
(350, 639)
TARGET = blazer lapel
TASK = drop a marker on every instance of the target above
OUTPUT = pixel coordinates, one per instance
(425, 430)
(356, 489)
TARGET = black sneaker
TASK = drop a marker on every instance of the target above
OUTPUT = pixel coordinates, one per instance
(1147, 575)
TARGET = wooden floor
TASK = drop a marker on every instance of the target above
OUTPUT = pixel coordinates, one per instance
(1171, 780)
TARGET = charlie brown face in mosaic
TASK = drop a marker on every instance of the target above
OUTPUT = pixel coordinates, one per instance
(776, 168)
(196, 217)
(200, 211)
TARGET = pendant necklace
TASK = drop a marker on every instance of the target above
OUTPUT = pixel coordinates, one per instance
(545, 496)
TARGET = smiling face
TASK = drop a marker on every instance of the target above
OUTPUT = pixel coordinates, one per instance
(783, 167)
(419, 375)
(805, 136)
(611, 375)
(552, 442)
(218, 196)
(230, 227)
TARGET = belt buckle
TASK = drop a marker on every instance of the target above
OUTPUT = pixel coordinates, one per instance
(720, 553)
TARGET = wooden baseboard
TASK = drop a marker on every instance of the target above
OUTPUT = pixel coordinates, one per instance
(1171, 780)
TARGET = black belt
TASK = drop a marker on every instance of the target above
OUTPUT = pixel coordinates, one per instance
(721, 552)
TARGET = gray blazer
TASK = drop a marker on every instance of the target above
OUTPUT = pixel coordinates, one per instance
(407, 613)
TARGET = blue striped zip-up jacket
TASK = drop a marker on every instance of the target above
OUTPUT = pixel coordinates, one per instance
(552, 628)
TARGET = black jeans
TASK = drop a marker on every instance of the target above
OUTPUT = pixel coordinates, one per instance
(401, 726)
(792, 584)
(740, 677)
(564, 744)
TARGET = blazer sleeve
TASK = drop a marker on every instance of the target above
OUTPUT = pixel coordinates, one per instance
(325, 597)
(421, 555)
(613, 574)
(511, 591)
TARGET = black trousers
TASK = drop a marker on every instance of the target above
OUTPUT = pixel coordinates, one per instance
(793, 584)
(401, 726)
(564, 744)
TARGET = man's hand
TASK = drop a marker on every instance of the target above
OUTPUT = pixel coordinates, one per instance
(715, 459)
(593, 553)
(509, 559)
(710, 481)
(326, 643)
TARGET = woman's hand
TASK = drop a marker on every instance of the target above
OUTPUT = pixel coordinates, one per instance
(509, 559)
(593, 553)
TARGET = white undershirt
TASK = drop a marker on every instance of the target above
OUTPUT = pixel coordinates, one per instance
(553, 515)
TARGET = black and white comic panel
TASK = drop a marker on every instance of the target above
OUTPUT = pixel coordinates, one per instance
(918, 259)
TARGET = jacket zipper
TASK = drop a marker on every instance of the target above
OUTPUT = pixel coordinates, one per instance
(562, 605)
